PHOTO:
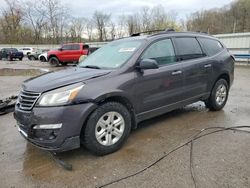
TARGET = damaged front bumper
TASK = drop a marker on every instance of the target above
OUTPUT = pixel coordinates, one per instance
(40, 126)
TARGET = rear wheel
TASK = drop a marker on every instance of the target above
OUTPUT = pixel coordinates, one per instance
(20, 58)
(32, 58)
(218, 96)
(107, 128)
(54, 62)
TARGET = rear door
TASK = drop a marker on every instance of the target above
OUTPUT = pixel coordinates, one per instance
(76, 52)
(196, 66)
(157, 88)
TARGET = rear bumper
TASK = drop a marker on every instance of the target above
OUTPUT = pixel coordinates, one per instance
(67, 137)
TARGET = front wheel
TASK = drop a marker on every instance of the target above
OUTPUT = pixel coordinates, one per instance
(54, 62)
(218, 96)
(107, 128)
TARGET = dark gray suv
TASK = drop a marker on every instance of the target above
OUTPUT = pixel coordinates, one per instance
(123, 83)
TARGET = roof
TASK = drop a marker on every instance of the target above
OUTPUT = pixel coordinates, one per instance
(171, 34)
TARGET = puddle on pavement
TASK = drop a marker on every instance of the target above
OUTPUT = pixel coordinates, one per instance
(21, 72)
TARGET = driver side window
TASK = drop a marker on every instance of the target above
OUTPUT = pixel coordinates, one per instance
(162, 51)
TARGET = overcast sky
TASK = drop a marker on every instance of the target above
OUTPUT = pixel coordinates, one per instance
(83, 8)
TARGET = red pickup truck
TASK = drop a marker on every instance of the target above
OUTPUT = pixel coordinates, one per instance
(70, 52)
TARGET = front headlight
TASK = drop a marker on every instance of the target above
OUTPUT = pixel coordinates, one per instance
(60, 96)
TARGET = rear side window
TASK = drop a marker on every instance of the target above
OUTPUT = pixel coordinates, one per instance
(210, 46)
(66, 47)
(188, 48)
(162, 51)
(75, 47)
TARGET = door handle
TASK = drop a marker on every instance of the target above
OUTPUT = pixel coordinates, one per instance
(176, 72)
(207, 65)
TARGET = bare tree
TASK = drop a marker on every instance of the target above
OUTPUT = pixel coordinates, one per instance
(133, 24)
(121, 26)
(76, 28)
(35, 16)
(11, 21)
(146, 19)
(89, 29)
(112, 30)
(101, 21)
(57, 16)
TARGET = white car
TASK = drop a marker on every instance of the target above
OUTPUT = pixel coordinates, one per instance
(27, 50)
(43, 57)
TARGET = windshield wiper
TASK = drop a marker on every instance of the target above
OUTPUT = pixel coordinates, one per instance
(91, 67)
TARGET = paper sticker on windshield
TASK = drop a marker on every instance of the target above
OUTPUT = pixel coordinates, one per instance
(127, 50)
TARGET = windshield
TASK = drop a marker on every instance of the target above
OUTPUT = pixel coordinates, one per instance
(112, 55)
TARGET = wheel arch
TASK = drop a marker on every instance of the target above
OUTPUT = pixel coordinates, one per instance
(113, 97)
(224, 76)
(52, 55)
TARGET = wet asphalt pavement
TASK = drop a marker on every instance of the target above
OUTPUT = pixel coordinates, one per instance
(219, 160)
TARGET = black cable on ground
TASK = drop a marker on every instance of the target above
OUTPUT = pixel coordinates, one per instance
(193, 138)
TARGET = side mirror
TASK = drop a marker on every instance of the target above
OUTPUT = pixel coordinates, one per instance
(148, 64)
(60, 49)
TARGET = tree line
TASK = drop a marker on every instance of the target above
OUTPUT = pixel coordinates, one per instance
(50, 22)
(233, 18)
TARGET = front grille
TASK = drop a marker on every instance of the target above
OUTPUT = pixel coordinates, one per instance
(27, 100)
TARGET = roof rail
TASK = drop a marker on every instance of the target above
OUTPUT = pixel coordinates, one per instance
(153, 31)
(150, 31)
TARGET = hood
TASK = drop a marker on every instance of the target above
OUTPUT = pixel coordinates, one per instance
(61, 78)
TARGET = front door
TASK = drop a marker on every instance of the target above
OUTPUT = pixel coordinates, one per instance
(158, 88)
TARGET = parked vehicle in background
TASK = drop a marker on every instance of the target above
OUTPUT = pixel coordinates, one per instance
(27, 50)
(91, 50)
(10, 54)
(36, 54)
(68, 53)
(43, 57)
(123, 83)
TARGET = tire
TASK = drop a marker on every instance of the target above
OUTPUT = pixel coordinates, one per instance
(9, 58)
(42, 59)
(108, 142)
(54, 62)
(20, 58)
(32, 58)
(218, 96)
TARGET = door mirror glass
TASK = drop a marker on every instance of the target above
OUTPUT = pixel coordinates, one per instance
(148, 64)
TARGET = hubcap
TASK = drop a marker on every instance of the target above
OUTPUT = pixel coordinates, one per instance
(221, 94)
(109, 128)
